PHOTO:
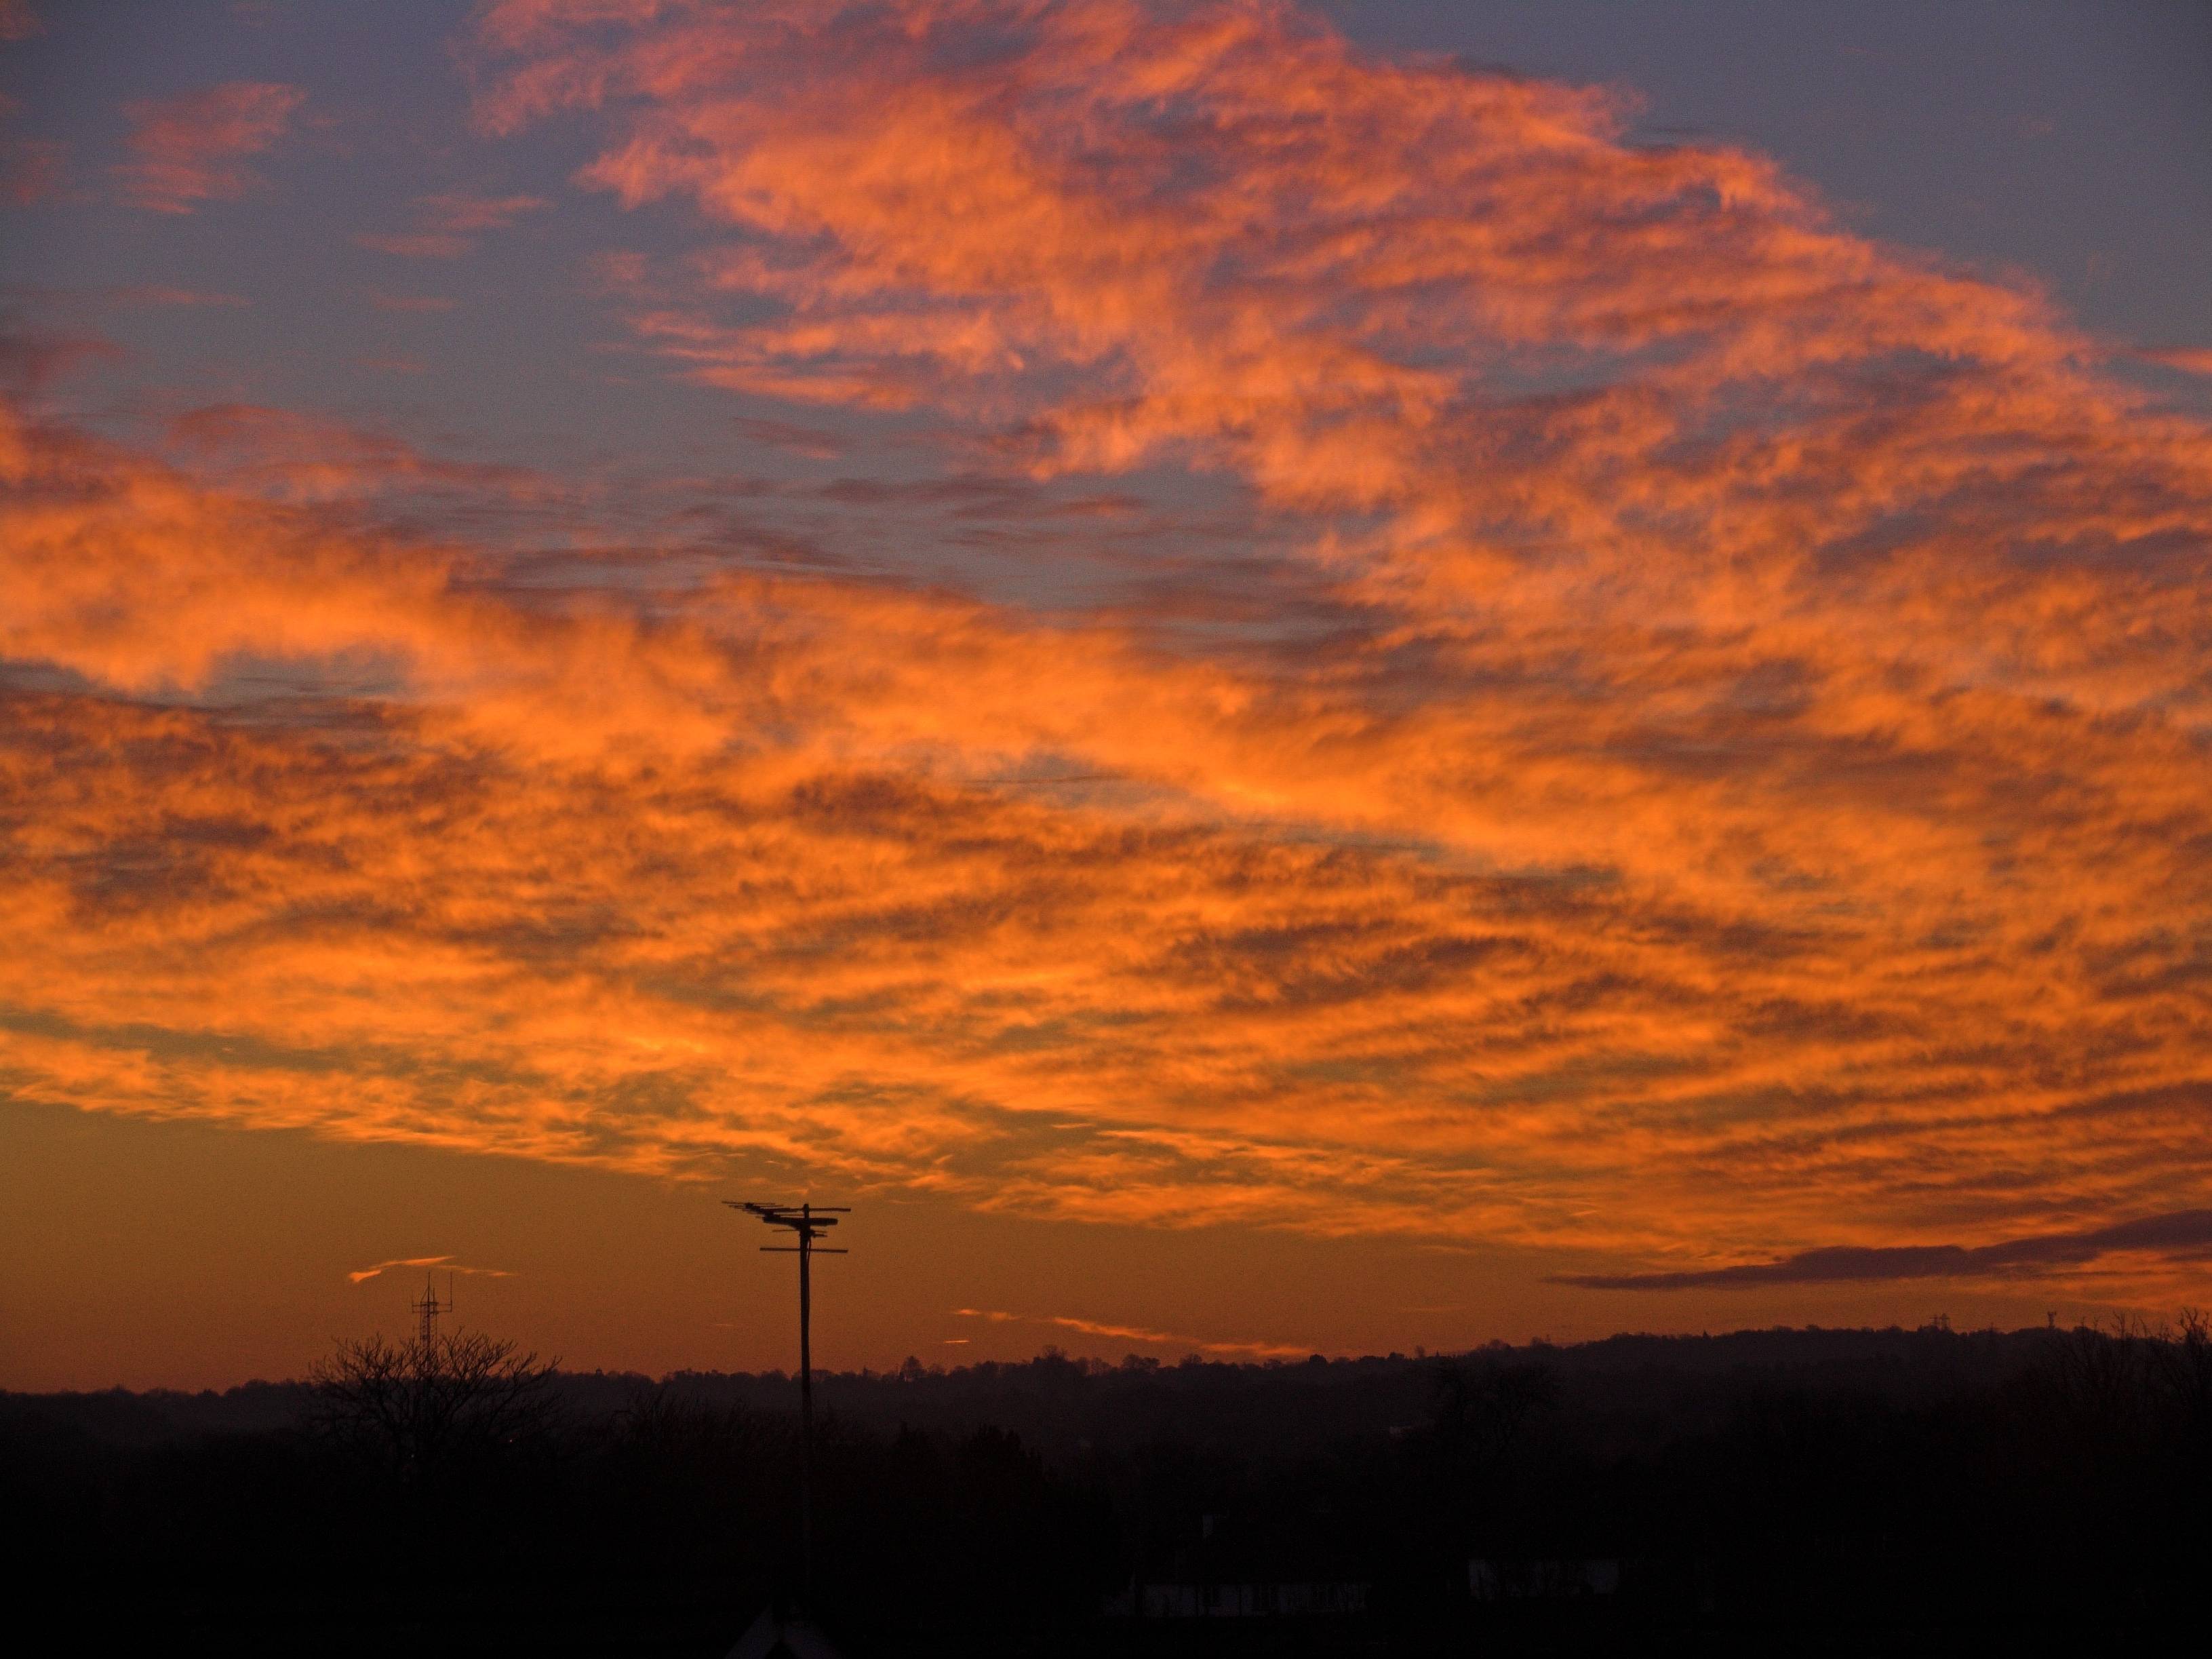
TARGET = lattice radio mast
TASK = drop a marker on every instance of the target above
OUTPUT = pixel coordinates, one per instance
(427, 1310)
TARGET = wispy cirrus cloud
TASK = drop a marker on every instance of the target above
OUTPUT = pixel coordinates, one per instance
(1138, 1333)
(443, 1263)
(448, 225)
(307, 457)
(191, 149)
(31, 360)
(156, 293)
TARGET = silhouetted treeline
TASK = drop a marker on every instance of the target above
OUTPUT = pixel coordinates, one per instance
(1863, 1488)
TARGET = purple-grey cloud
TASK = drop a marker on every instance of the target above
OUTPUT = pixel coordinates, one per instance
(2166, 1235)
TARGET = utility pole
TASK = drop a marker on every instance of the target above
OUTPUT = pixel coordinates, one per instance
(806, 1223)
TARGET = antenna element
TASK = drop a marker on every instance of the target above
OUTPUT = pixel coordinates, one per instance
(427, 1310)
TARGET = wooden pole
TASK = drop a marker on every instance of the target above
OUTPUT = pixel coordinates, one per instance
(805, 1403)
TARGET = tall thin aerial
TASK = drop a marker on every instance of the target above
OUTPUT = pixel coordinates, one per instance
(806, 1222)
(427, 1310)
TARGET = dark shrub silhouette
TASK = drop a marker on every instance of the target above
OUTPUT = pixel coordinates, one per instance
(419, 1410)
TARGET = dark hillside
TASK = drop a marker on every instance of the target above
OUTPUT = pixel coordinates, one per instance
(1892, 1489)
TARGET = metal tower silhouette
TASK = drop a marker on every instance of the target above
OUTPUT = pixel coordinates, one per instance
(806, 1223)
(427, 1310)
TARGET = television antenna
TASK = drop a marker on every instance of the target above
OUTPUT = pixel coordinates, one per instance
(427, 1310)
(806, 1223)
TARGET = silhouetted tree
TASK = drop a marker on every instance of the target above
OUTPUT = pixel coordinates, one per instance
(417, 1409)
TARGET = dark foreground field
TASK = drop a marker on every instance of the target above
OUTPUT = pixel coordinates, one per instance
(1779, 1491)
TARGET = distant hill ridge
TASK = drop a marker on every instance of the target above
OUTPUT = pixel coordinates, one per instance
(1061, 1404)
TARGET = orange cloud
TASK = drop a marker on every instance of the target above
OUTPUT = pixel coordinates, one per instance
(1695, 754)
(190, 149)
(2195, 359)
(770, 876)
(442, 1263)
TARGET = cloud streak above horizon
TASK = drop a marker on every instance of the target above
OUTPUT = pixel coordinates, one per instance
(2187, 1234)
(442, 1263)
(1636, 722)
(1138, 1333)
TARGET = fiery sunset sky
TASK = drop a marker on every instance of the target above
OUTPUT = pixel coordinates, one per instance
(1272, 678)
